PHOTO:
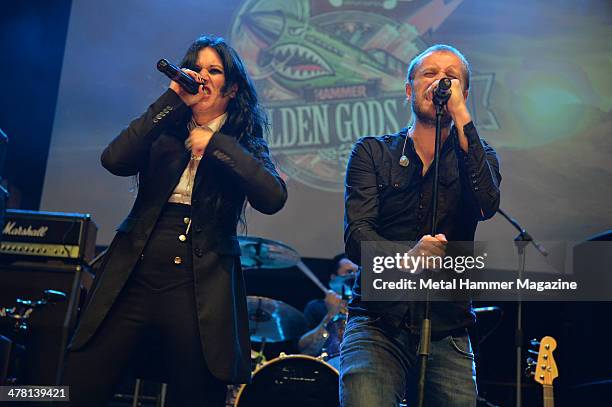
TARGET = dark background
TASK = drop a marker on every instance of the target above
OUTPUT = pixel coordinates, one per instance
(32, 42)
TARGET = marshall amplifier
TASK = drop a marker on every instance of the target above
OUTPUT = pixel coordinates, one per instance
(34, 235)
(44, 251)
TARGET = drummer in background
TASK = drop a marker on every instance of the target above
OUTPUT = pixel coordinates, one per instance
(320, 312)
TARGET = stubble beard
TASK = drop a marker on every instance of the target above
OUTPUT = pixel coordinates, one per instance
(428, 117)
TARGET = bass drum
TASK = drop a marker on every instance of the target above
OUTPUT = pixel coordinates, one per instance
(291, 380)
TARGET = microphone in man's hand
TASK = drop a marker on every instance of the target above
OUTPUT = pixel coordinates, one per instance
(442, 92)
(176, 74)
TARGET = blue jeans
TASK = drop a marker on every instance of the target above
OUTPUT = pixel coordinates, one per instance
(379, 367)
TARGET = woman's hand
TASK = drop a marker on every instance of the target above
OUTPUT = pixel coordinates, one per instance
(187, 97)
(198, 140)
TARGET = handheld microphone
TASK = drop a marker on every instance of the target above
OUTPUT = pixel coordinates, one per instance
(180, 77)
(442, 92)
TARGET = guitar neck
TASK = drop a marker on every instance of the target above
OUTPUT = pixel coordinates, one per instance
(549, 395)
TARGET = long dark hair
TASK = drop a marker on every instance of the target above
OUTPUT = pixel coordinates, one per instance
(246, 118)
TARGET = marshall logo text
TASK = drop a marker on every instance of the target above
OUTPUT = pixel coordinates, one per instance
(11, 229)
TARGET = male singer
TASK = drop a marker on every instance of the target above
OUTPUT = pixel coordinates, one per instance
(388, 198)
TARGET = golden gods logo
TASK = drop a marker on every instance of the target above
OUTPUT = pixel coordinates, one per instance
(332, 71)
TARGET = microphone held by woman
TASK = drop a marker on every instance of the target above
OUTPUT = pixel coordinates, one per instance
(176, 74)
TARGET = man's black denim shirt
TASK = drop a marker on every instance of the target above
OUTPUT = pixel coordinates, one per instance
(387, 202)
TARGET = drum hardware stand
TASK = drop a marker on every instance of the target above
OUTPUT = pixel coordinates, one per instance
(20, 314)
(260, 357)
(520, 242)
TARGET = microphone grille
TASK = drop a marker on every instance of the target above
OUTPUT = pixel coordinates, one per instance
(445, 84)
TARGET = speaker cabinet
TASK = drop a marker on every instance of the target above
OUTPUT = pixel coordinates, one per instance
(50, 326)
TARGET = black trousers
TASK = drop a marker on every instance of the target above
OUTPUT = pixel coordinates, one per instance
(158, 302)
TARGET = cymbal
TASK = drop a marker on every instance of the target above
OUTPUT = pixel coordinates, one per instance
(274, 321)
(258, 252)
(342, 284)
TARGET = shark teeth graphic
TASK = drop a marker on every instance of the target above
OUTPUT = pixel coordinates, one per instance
(299, 63)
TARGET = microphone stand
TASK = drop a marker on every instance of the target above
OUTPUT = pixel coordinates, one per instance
(425, 339)
(520, 242)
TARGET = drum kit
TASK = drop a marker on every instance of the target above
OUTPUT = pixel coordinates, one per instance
(288, 380)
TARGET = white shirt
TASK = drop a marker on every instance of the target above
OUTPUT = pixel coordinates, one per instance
(184, 188)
